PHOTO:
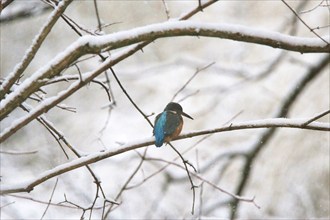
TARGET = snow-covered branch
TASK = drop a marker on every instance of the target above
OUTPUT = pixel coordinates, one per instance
(97, 44)
(92, 158)
(225, 31)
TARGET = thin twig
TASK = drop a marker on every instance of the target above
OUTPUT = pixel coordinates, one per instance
(240, 198)
(167, 11)
(165, 166)
(7, 204)
(129, 97)
(316, 117)
(305, 23)
(42, 202)
(59, 136)
(45, 123)
(200, 212)
(312, 9)
(124, 187)
(50, 199)
(193, 186)
(199, 8)
(97, 16)
(191, 78)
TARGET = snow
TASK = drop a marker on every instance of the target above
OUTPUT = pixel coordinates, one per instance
(112, 39)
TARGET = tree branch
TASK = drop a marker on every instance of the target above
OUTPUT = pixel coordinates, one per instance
(27, 186)
(97, 44)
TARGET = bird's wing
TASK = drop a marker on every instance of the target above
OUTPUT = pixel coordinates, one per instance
(159, 129)
(155, 123)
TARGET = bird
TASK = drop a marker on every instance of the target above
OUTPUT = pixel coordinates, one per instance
(168, 124)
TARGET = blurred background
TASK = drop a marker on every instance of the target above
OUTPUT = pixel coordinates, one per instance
(234, 82)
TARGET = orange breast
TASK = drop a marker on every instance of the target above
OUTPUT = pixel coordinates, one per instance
(175, 133)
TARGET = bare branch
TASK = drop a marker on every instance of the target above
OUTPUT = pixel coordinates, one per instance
(129, 97)
(78, 77)
(193, 186)
(164, 167)
(191, 78)
(312, 30)
(312, 9)
(240, 198)
(167, 11)
(50, 199)
(97, 16)
(43, 202)
(5, 205)
(124, 187)
(199, 8)
(317, 117)
(42, 120)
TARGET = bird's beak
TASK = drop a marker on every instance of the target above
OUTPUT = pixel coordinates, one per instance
(186, 115)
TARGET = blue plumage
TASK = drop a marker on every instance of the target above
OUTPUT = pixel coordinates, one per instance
(159, 131)
(168, 124)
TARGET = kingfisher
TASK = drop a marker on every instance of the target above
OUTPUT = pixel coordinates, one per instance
(168, 124)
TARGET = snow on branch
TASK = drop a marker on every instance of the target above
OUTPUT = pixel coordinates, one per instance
(97, 44)
(225, 31)
(95, 157)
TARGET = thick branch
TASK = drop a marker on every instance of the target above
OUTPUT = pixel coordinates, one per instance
(96, 44)
(267, 123)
